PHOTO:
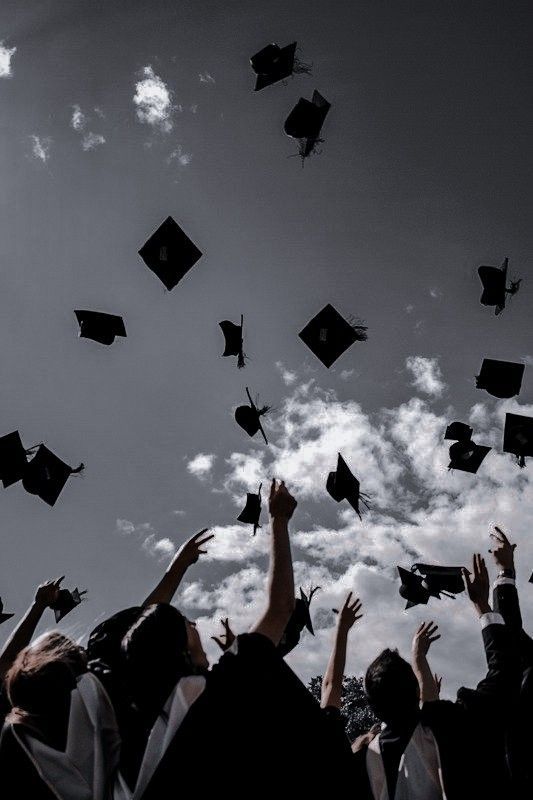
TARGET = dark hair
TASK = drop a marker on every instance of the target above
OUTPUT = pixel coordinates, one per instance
(391, 686)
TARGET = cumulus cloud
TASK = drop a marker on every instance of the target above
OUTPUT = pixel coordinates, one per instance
(152, 99)
(6, 54)
(427, 377)
(78, 119)
(182, 158)
(92, 140)
(40, 147)
(163, 549)
(201, 465)
(288, 376)
(346, 374)
(79, 122)
(206, 77)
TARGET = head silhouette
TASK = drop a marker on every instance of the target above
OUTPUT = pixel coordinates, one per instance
(391, 687)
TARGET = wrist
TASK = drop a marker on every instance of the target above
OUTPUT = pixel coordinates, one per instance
(507, 572)
(38, 606)
(482, 607)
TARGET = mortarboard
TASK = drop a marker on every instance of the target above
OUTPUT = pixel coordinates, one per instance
(252, 510)
(233, 335)
(459, 431)
(100, 327)
(342, 485)
(531, 578)
(518, 437)
(45, 475)
(501, 379)
(299, 619)
(328, 335)
(412, 588)
(249, 417)
(494, 281)
(13, 460)
(305, 122)
(274, 63)
(65, 602)
(4, 617)
(169, 253)
(467, 456)
(432, 581)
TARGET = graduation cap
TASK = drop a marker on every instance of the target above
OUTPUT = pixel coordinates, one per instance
(432, 581)
(342, 485)
(518, 437)
(500, 378)
(465, 454)
(328, 335)
(299, 619)
(13, 459)
(99, 326)
(305, 122)
(66, 600)
(249, 417)
(169, 253)
(459, 431)
(274, 63)
(45, 475)
(495, 289)
(233, 340)
(252, 510)
(4, 617)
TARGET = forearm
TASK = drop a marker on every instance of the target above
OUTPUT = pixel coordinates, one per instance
(281, 576)
(425, 678)
(332, 680)
(21, 637)
(168, 585)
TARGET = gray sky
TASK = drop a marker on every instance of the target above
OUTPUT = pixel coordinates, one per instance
(425, 174)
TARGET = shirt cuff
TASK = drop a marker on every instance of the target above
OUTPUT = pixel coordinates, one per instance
(504, 582)
(491, 618)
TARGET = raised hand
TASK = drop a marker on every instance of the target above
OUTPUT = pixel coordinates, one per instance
(281, 503)
(190, 551)
(226, 639)
(438, 683)
(47, 592)
(503, 550)
(424, 638)
(477, 585)
(364, 739)
(349, 613)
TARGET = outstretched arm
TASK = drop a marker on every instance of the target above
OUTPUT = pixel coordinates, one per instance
(188, 554)
(422, 641)
(332, 680)
(280, 603)
(22, 635)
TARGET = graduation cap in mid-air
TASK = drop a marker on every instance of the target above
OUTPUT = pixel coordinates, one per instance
(465, 455)
(328, 335)
(431, 581)
(252, 510)
(45, 475)
(495, 289)
(305, 122)
(274, 63)
(501, 379)
(518, 437)
(299, 619)
(4, 617)
(169, 253)
(66, 600)
(100, 327)
(233, 336)
(249, 417)
(343, 485)
(13, 459)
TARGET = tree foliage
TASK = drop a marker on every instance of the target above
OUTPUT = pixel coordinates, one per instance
(358, 714)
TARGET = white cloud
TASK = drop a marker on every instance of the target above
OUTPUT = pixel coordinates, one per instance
(434, 292)
(6, 54)
(99, 113)
(409, 309)
(427, 377)
(201, 465)
(288, 376)
(206, 77)
(160, 548)
(40, 147)
(194, 108)
(92, 140)
(183, 159)
(78, 120)
(346, 374)
(152, 99)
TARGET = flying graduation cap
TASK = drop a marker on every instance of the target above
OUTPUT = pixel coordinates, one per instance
(501, 379)
(299, 619)
(66, 600)
(465, 454)
(518, 437)
(495, 289)
(46, 475)
(251, 512)
(169, 253)
(343, 485)
(431, 581)
(4, 617)
(305, 123)
(233, 335)
(274, 63)
(249, 417)
(100, 327)
(328, 335)
(13, 459)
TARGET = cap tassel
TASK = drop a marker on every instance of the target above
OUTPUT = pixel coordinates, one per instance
(359, 328)
(514, 287)
(241, 360)
(301, 67)
(77, 470)
(521, 461)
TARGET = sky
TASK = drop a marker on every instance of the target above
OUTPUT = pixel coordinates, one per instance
(118, 114)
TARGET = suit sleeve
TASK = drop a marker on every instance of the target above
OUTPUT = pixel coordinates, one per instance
(506, 602)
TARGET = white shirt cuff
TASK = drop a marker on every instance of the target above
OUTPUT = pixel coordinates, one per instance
(503, 582)
(491, 618)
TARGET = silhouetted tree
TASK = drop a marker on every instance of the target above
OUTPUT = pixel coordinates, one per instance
(358, 714)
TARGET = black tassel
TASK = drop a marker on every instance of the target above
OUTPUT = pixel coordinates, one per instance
(521, 461)
(301, 68)
(264, 410)
(241, 360)
(78, 469)
(514, 287)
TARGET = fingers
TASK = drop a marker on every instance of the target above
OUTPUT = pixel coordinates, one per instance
(219, 642)
(205, 539)
(273, 488)
(57, 582)
(347, 601)
(200, 533)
